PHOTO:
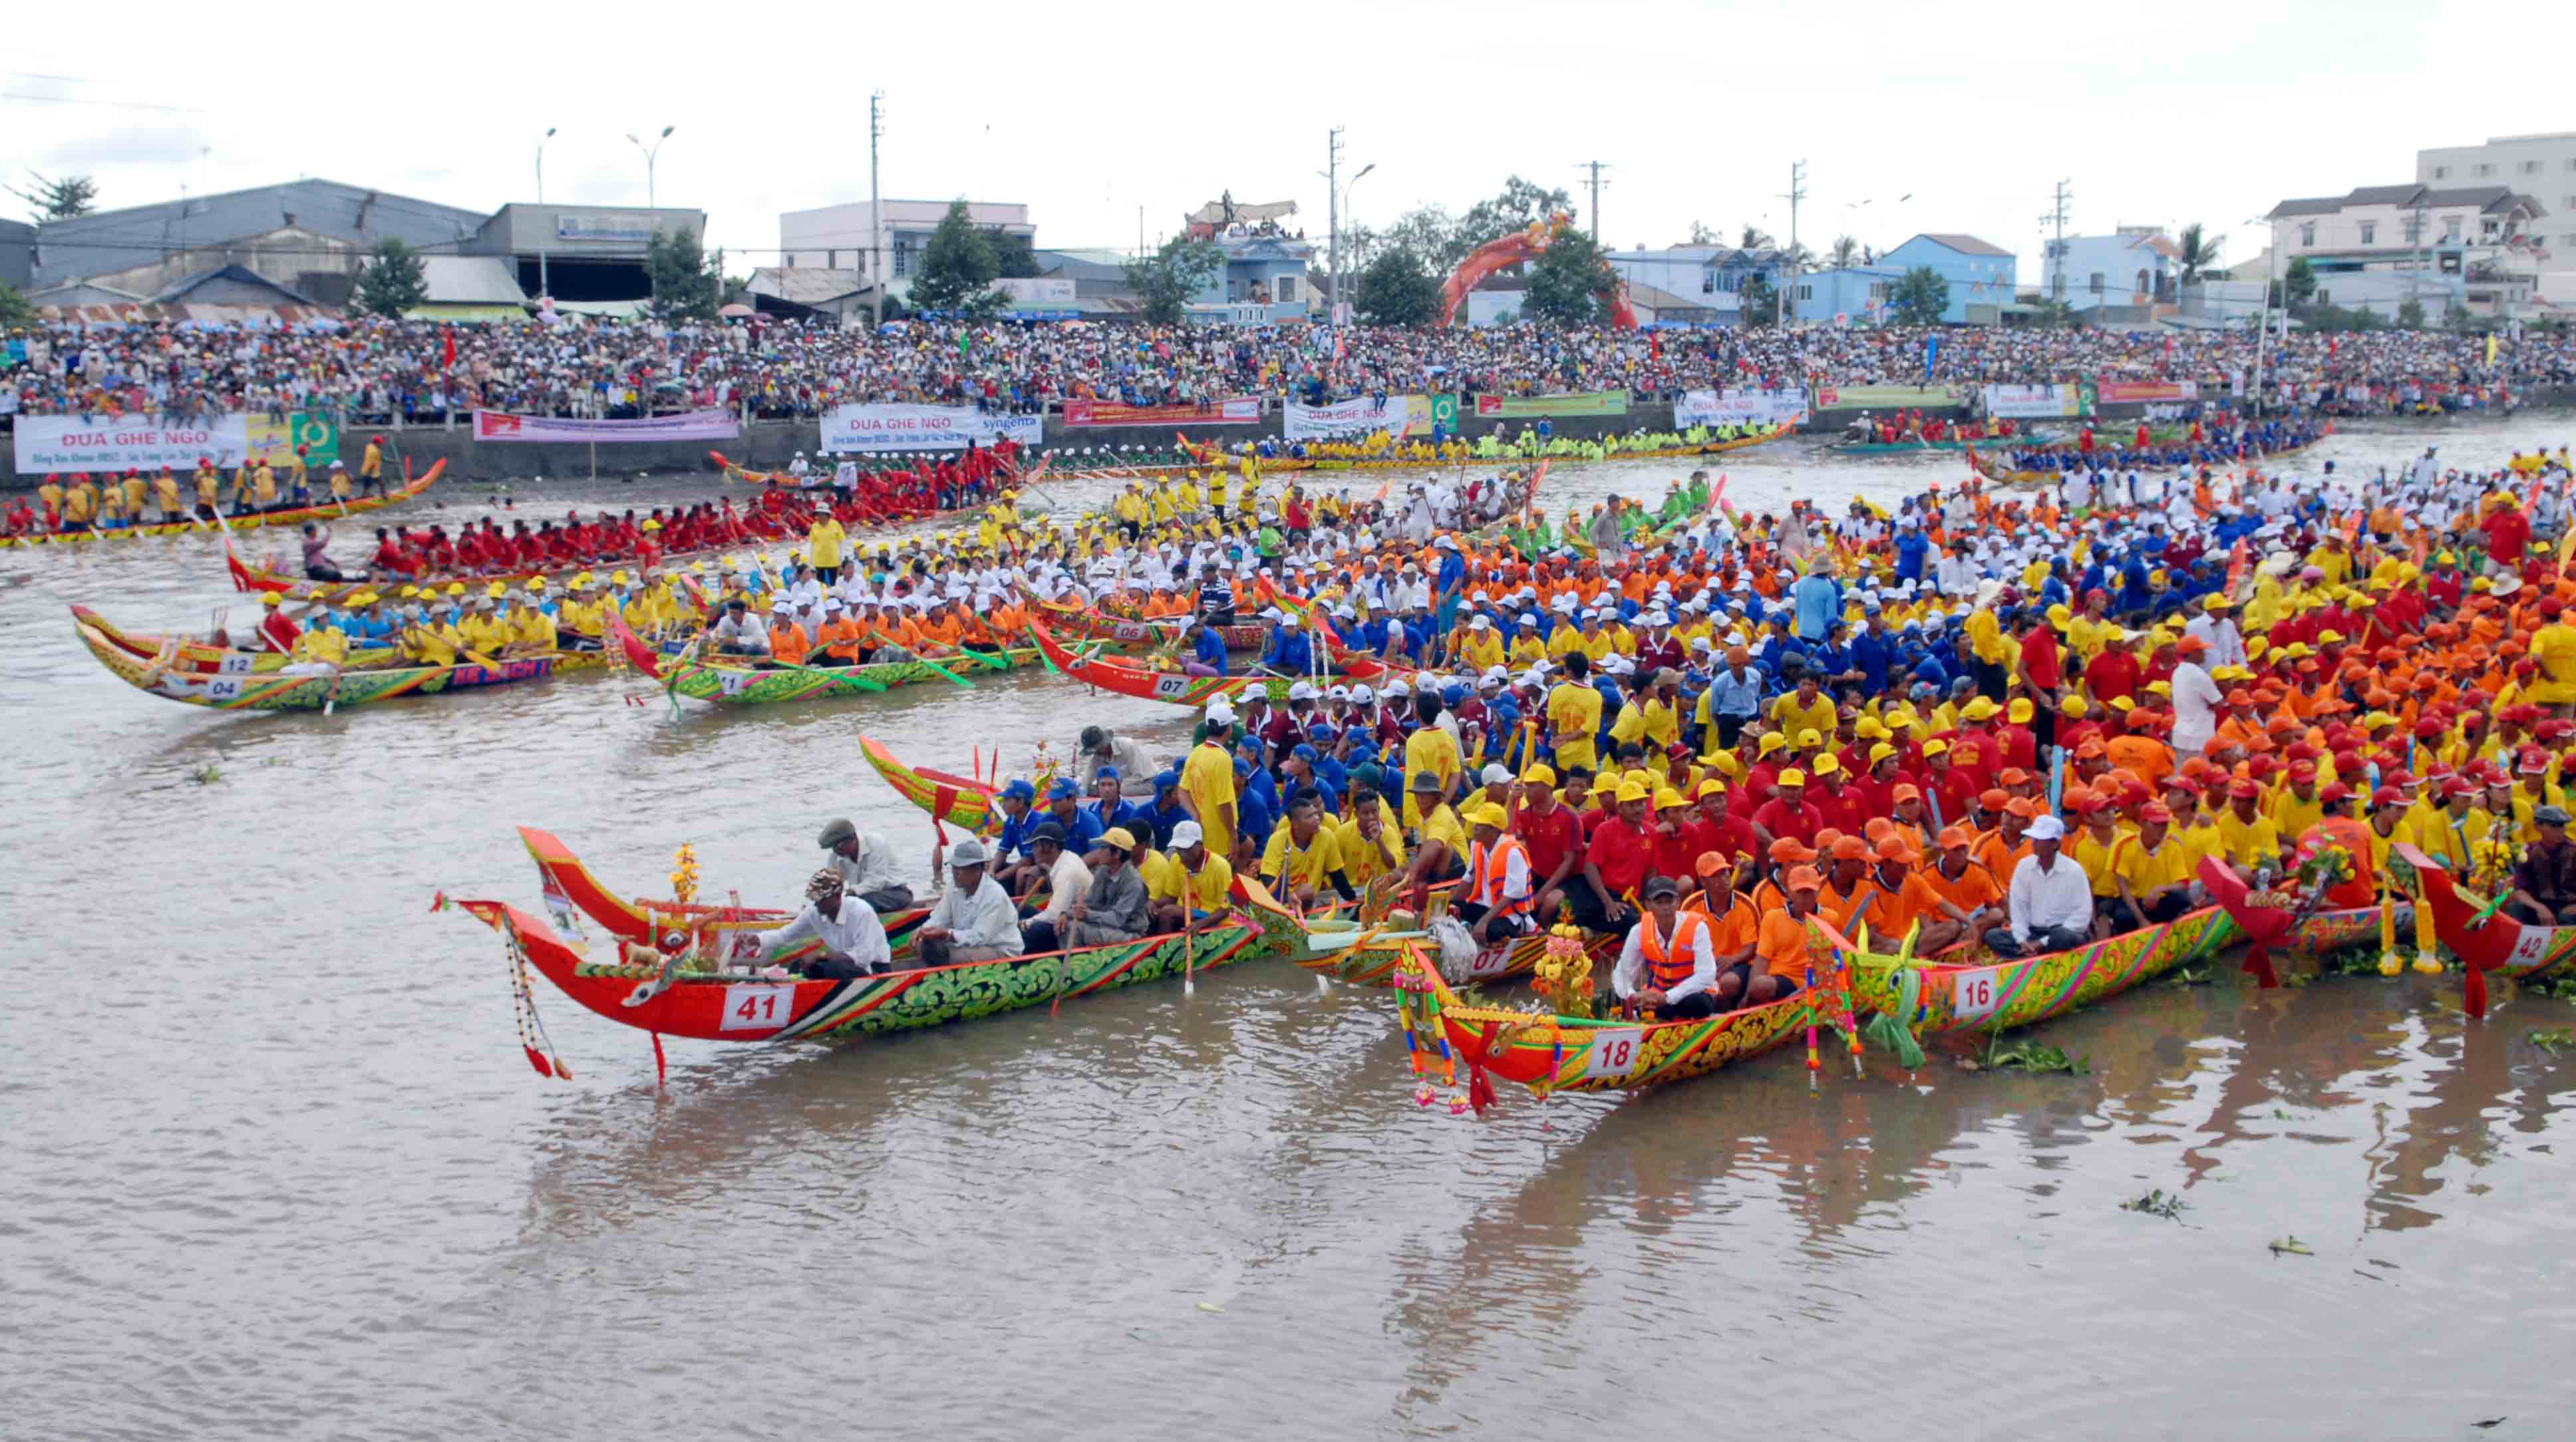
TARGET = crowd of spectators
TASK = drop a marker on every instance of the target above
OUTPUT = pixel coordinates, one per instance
(381, 371)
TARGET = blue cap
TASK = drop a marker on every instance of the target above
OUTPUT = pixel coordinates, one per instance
(1307, 753)
(1062, 789)
(1322, 731)
(1242, 767)
(1021, 790)
(1166, 780)
(1106, 773)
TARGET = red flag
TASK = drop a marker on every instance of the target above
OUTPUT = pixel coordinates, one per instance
(1655, 345)
(448, 334)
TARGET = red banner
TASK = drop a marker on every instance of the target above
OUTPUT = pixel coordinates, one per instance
(1232, 411)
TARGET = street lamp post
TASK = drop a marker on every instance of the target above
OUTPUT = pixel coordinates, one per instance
(541, 163)
(650, 152)
(1344, 209)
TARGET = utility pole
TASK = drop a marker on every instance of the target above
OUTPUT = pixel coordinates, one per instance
(1333, 224)
(876, 219)
(1595, 167)
(1797, 192)
(2057, 251)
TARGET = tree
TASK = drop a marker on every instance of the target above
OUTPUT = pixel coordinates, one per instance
(688, 281)
(1430, 234)
(1570, 284)
(2199, 253)
(1846, 251)
(1757, 304)
(1397, 289)
(1702, 235)
(1753, 238)
(392, 282)
(15, 313)
(956, 265)
(1013, 257)
(1167, 279)
(58, 199)
(2050, 313)
(1520, 204)
(2410, 314)
(2300, 281)
(1919, 298)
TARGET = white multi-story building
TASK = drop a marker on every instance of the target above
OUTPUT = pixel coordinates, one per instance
(2127, 275)
(2475, 242)
(2540, 166)
(842, 237)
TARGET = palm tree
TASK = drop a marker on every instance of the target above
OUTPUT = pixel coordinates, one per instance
(1845, 252)
(2199, 253)
(1754, 238)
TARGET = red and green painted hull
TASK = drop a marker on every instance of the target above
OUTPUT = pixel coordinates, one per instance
(326, 512)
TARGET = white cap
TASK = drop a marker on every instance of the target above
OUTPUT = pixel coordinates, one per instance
(1363, 695)
(1480, 623)
(1219, 713)
(1398, 688)
(1185, 835)
(1301, 691)
(1494, 775)
(2048, 828)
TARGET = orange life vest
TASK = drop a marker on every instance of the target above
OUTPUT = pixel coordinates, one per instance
(1492, 870)
(1666, 970)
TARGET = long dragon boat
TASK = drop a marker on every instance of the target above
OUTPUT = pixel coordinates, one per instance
(1969, 988)
(1121, 631)
(1370, 950)
(2476, 930)
(727, 684)
(1122, 678)
(2003, 473)
(327, 511)
(737, 1004)
(727, 934)
(277, 691)
(1214, 455)
(1549, 1052)
(959, 800)
(260, 576)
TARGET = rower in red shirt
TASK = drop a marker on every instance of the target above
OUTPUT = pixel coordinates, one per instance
(1548, 830)
(1615, 865)
(1788, 813)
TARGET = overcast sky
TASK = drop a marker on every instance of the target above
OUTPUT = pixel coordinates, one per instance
(2153, 116)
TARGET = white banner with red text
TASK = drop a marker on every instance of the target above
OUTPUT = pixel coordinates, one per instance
(72, 443)
(2031, 403)
(880, 428)
(1398, 416)
(709, 425)
(1740, 408)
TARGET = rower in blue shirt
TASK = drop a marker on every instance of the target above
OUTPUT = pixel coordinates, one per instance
(1912, 546)
(1208, 649)
(1167, 810)
(1287, 651)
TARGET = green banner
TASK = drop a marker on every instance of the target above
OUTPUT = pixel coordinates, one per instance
(1571, 403)
(1444, 410)
(316, 431)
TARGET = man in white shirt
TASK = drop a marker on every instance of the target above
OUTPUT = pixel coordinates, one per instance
(2196, 698)
(854, 941)
(2050, 902)
(974, 920)
(1068, 880)
(1680, 936)
(2217, 629)
(865, 864)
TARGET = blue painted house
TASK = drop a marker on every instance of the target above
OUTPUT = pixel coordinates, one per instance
(1264, 280)
(1982, 275)
(1858, 294)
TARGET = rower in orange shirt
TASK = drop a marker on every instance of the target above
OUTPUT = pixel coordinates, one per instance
(788, 642)
(841, 639)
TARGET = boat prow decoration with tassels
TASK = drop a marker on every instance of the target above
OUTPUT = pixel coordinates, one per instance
(727, 934)
(279, 691)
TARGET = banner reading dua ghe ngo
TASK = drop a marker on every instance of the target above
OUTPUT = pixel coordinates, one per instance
(1740, 408)
(712, 425)
(71, 443)
(923, 428)
(2029, 403)
(1232, 411)
(1569, 403)
(1402, 417)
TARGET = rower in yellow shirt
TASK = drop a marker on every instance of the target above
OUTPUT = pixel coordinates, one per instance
(263, 486)
(166, 492)
(1482, 646)
(483, 630)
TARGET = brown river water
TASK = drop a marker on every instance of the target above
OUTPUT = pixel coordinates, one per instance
(275, 1167)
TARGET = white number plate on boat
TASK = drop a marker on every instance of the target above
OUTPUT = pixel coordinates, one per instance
(235, 665)
(1170, 684)
(1490, 961)
(1614, 1051)
(759, 1008)
(1973, 993)
(2531, 947)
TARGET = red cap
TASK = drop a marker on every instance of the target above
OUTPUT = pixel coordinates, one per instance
(2243, 789)
(2387, 796)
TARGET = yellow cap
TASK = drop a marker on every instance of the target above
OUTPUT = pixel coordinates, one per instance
(1793, 777)
(1539, 775)
(1670, 797)
(1632, 791)
(1829, 765)
(1712, 787)
(1487, 814)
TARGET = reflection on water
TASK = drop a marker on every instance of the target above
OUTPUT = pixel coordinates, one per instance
(276, 1164)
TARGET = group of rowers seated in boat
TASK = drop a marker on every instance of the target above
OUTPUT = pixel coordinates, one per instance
(810, 627)
(430, 625)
